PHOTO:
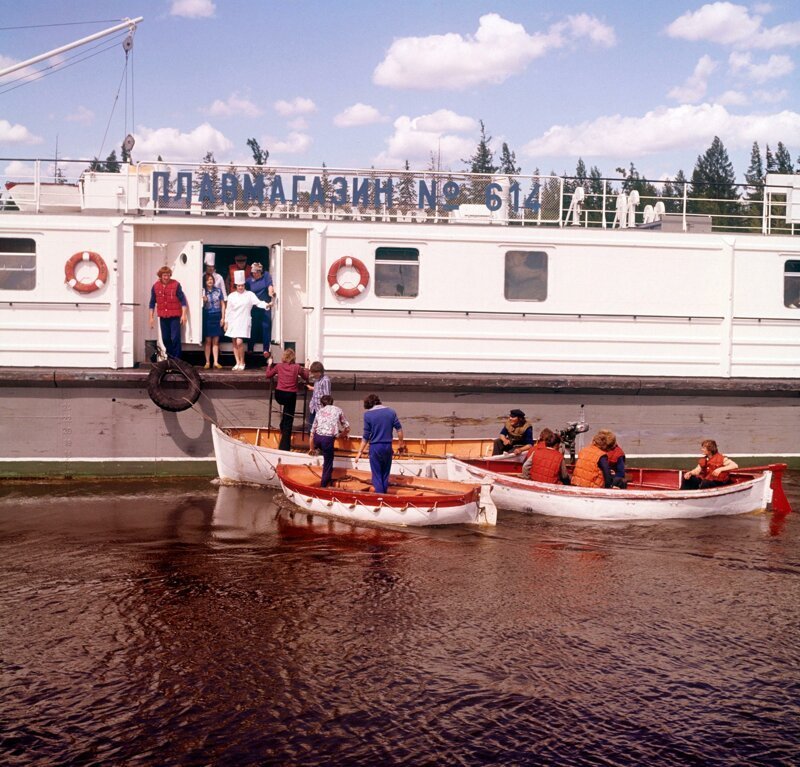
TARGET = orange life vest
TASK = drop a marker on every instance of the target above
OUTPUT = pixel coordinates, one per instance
(587, 473)
(707, 465)
(546, 463)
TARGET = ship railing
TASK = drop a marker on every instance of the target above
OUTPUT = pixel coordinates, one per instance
(402, 196)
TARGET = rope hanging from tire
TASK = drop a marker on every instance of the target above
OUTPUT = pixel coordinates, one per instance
(174, 400)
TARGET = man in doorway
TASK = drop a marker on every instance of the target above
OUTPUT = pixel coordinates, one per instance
(239, 265)
(260, 283)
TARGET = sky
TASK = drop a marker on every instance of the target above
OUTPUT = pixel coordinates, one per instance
(373, 84)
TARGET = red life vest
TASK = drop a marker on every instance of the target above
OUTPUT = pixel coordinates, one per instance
(167, 303)
(586, 472)
(615, 454)
(546, 463)
(707, 465)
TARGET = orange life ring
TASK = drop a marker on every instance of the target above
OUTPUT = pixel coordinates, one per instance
(333, 277)
(86, 287)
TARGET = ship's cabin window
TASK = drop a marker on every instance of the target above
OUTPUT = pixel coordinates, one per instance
(397, 272)
(526, 275)
(791, 285)
(17, 263)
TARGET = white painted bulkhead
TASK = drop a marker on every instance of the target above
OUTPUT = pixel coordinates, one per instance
(635, 303)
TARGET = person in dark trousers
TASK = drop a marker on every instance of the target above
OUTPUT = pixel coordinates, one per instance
(288, 372)
(516, 435)
(168, 301)
(379, 423)
(713, 470)
(328, 425)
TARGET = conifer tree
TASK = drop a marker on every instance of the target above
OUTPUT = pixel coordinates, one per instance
(713, 183)
(508, 161)
(783, 159)
(754, 175)
(482, 161)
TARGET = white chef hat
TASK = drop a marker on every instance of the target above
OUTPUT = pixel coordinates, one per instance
(238, 277)
(209, 259)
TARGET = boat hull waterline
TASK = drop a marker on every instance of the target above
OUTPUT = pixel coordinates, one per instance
(243, 456)
(410, 501)
(517, 494)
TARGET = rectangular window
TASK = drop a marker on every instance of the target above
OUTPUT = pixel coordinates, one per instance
(397, 272)
(17, 263)
(791, 285)
(526, 275)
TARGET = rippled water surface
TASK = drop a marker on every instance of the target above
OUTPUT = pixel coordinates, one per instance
(180, 623)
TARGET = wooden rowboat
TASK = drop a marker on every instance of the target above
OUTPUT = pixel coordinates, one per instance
(651, 494)
(410, 501)
(250, 455)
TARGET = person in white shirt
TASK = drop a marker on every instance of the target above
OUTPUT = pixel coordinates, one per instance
(237, 317)
(209, 260)
(328, 425)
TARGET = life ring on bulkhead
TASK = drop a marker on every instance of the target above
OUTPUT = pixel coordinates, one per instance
(333, 277)
(86, 287)
(174, 400)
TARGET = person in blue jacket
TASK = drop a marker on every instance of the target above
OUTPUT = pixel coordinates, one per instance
(379, 423)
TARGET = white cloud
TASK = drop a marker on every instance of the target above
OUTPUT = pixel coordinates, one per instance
(696, 84)
(298, 124)
(771, 97)
(682, 127)
(776, 66)
(16, 134)
(415, 139)
(81, 115)
(295, 143)
(235, 106)
(358, 114)
(175, 146)
(499, 49)
(193, 9)
(732, 98)
(297, 106)
(18, 170)
(731, 24)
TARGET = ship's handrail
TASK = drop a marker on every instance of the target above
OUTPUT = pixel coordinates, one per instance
(296, 193)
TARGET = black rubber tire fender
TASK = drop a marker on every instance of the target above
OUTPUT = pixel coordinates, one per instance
(166, 399)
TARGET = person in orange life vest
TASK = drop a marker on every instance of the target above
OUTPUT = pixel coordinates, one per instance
(616, 460)
(712, 470)
(516, 435)
(545, 462)
(167, 299)
(240, 265)
(592, 468)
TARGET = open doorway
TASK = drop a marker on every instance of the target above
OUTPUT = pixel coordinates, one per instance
(226, 263)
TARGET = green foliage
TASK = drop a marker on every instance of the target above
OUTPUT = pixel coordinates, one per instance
(260, 156)
(482, 161)
(508, 161)
(714, 185)
(783, 160)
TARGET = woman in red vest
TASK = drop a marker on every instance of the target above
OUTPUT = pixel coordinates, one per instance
(545, 462)
(712, 470)
(169, 302)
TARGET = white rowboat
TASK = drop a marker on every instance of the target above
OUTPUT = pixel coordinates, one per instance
(660, 499)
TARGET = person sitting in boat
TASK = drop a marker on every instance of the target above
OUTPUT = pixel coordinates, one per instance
(545, 461)
(321, 387)
(616, 460)
(288, 371)
(592, 468)
(328, 425)
(379, 422)
(516, 435)
(210, 260)
(712, 470)
(168, 301)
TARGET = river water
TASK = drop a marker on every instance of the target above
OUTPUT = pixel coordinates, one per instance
(177, 623)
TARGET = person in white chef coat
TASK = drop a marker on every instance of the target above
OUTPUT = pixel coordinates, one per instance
(237, 319)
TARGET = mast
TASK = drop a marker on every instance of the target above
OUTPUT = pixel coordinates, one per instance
(129, 24)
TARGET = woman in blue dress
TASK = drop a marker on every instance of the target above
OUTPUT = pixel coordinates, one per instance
(213, 318)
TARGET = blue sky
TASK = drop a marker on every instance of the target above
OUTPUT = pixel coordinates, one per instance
(359, 84)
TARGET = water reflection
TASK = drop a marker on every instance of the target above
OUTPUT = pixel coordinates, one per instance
(180, 623)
